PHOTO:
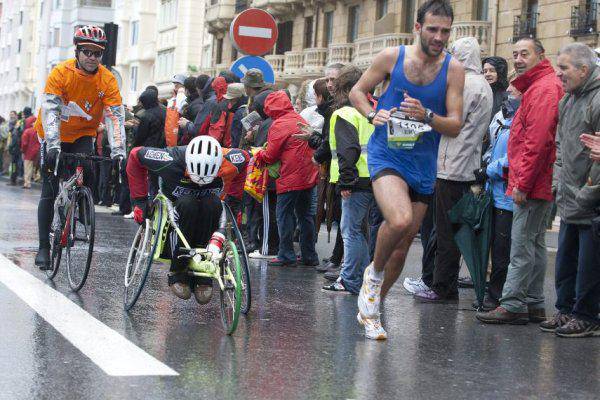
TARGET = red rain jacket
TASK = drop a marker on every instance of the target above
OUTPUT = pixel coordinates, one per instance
(297, 171)
(531, 146)
(30, 145)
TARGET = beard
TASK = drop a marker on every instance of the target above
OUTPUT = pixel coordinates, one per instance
(427, 50)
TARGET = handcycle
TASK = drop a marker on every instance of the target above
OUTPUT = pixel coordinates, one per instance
(230, 270)
(74, 222)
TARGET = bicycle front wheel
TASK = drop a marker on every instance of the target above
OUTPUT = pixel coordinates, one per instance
(81, 220)
(141, 255)
(55, 250)
(231, 295)
(236, 237)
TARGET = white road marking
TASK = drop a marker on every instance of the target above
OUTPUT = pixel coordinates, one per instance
(110, 351)
(253, 31)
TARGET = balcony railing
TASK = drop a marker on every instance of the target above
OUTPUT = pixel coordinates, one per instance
(294, 62)
(277, 61)
(341, 53)
(95, 3)
(477, 29)
(219, 16)
(584, 20)
(525, 25)
(279, 8)
(367, 48)
(315, 60)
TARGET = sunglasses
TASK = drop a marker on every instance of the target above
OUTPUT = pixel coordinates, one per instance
(89, 53)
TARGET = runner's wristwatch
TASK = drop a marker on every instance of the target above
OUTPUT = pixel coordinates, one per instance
(371, 116)
(428, 116)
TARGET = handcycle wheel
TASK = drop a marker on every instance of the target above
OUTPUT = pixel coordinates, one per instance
(241, 248)
(141, 255)
(231, 295)
(55, 251)
(80, 239)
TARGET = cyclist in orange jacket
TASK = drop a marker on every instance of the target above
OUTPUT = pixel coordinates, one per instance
(79, 94)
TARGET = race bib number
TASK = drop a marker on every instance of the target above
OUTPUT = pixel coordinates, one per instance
(403, 132)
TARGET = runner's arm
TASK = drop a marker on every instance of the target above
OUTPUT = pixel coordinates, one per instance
(451, 124)
(375, 74)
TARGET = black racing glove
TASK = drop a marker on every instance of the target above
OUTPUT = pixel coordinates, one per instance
(51, 158)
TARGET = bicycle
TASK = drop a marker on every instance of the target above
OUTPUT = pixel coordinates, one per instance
(74, 223)
(230, 271)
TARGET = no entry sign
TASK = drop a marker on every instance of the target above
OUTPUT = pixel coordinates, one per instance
(254, 32)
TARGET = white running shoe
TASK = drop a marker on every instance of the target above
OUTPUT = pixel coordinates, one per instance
(370, 294)
(128, 216)
(414, 286)
(373, 328)
(256, 254)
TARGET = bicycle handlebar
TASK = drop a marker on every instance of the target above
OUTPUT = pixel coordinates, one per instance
(84, 157)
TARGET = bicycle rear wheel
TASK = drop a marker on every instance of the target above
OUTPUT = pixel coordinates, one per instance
(141, 256)
(231, 295)
(245, 264)
(81, 218)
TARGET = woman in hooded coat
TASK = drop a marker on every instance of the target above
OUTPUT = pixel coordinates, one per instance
(495, 71)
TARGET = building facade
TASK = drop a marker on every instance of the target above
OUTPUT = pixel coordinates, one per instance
(18, 20)
(313, 33)
(182, 41)
(136, 46)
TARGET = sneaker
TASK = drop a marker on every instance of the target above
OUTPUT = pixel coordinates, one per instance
(326, 266)
(369, 295)
(256, 254)
(336, 287)
(373, 328)
(536, 315)
(488, 304)
(203, 293)
(577, 328)
(559, 319)
(280, 263)
(314, 263)
(333, 273)
(42, 259)
(465, 282)
(502, 316)
(181, 290)
(430, 296)
(128, 216)
(414, 286)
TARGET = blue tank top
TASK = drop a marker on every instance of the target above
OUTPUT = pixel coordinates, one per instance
(418, 166)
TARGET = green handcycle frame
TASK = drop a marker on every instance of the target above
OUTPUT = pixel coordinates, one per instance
(229, 271)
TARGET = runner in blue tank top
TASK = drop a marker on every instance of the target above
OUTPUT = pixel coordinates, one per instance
(425, 85)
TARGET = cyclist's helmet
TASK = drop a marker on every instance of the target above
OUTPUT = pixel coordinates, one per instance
(203, 158)
(92, 35)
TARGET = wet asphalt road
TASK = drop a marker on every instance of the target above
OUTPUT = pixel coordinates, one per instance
(296, 343)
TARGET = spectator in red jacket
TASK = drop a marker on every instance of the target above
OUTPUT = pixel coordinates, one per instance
(296, 183)
(30, 147)
(531, 153)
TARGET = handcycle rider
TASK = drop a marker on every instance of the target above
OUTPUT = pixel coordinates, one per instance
(79, 92)
(194, 178)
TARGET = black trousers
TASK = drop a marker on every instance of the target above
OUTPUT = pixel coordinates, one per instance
(429, 243)
(198, 219)
(447, 255)
(338, 249)
(501, 230)
(83, 145)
